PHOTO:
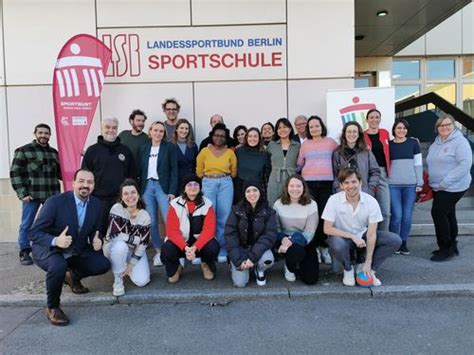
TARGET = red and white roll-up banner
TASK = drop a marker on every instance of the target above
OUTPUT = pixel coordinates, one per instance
(77, 84)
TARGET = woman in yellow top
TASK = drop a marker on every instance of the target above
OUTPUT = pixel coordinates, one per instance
(217, 165)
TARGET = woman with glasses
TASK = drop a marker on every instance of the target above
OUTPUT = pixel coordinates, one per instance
(217, 165)
(159, 179)
(449, 162)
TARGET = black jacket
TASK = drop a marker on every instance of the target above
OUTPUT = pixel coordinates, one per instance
(237, 238)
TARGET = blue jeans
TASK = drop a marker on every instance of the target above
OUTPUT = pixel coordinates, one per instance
(221, 192)
(402, 201)
(154, 198)
(28, 213)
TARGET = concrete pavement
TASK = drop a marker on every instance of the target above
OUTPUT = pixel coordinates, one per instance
(403, 276)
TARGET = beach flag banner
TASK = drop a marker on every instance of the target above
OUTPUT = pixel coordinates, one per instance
(77, 84)
(353, 104)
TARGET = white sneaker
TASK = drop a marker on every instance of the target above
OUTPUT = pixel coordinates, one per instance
(289, 276)
(326, 256)
(119, 289)
(318, 253)
(182, 262)
(197, 261)
(222, 257)
(377, 281)
(157, 260)
(349, 279)
(260, 277)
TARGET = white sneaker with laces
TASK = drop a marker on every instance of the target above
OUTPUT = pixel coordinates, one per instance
(326, 256)
(348, 278)
(377, 281)
(182, 261)
(260, 277)
(157, 260)
(196, 261)
(289, 276)
(119, 289)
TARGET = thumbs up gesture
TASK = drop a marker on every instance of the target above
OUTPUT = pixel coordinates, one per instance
(64, 240)
(96, 242)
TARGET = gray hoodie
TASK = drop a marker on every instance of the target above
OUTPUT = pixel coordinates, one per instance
(449, 163)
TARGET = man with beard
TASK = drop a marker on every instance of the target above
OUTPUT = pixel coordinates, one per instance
(112, 163)
(66, 242)
(34, 175)
(135, 137)
(171, 109)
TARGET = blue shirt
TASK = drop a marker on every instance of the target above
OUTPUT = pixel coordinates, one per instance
(81, 208)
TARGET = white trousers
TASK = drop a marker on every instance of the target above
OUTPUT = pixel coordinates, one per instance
(119, 254)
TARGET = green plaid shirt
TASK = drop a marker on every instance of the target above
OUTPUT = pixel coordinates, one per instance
(35, 171)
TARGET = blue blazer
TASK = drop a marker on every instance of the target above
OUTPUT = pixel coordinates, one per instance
(166, 167)
(58, 212)
(186, 162)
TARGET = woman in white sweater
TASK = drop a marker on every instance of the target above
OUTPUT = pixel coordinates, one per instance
(297, 220)
(127, 238)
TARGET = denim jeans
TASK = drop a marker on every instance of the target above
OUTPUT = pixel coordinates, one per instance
(221, 192)
(402, 200)
(28, 213)
(154, 198)
(382, 195)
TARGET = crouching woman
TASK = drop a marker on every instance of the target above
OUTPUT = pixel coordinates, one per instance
(250, 234)
(191, 227)
(128, 235)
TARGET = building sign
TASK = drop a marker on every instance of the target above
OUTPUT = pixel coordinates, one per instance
(353, 104)
(196, 53)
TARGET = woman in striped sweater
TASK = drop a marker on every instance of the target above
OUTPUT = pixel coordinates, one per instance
(405, 180)
(297, 220)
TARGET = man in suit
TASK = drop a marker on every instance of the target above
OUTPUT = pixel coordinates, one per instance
(66, 243)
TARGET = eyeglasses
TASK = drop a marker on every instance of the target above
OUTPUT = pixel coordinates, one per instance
(171, 109)
(192, 184)
(219, 135)
(446, 125)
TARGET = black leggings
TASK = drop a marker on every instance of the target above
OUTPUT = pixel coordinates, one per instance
(443, 213)
(320, 192)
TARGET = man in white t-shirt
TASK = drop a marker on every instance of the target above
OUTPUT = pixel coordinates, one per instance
(350, 220)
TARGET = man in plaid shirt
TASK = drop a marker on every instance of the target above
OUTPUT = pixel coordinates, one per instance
(34, 176)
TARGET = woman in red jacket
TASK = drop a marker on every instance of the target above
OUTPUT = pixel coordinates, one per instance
(191, 227)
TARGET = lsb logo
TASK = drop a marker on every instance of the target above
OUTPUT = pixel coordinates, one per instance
(125, 54)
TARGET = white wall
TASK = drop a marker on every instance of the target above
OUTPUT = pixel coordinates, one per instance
(454, 36)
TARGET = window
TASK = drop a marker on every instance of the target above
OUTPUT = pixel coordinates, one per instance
(441, 69)
(468, 99)
(468, 68)
(406, 69)
(405, 92)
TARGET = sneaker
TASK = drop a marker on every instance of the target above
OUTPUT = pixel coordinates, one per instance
(207, 273)
(318, 253)
(182, 262)
(196, 261)
(25, 258)
(289, 276)
(119, 289)
(222, 257)
(442, 255)
(404, 250)
(348, 278)
(175, 278)
(260, 277)
(157, 260)
(326, 256)
(377, 281)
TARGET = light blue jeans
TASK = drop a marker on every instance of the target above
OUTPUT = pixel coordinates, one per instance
(221, 192)
(28, 213)
(402, 199)
(154, 198)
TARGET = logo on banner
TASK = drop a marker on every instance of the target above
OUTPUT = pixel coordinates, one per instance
(78, 80)
(356, 112)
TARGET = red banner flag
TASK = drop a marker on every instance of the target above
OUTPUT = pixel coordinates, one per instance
(77, 83)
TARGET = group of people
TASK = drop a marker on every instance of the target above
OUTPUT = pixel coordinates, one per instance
(247, 199)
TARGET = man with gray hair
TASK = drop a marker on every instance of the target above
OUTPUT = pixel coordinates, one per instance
(301, 123)
(215, 119)
(112, 163)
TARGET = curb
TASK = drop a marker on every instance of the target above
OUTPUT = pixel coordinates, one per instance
(223, 297)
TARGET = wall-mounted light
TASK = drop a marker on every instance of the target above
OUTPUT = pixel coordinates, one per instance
(382, 13)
